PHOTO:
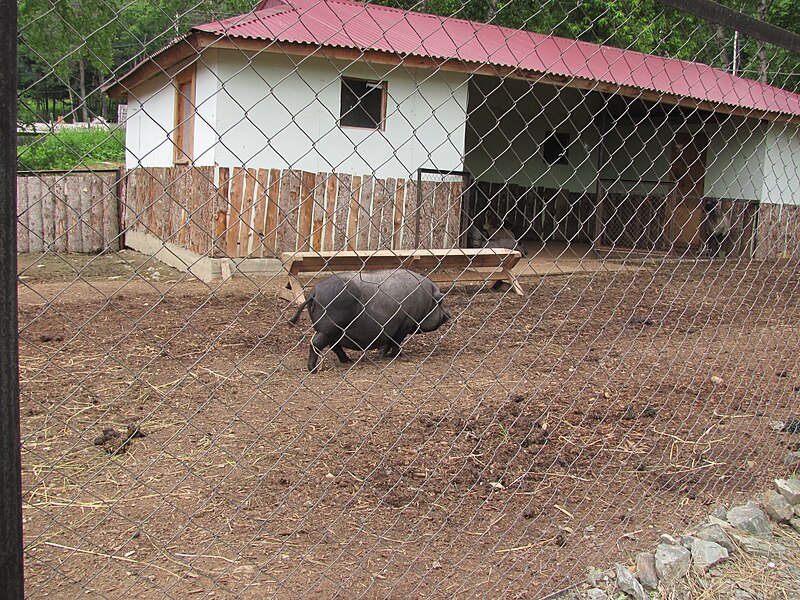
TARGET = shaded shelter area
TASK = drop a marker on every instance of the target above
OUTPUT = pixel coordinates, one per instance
(571, 166)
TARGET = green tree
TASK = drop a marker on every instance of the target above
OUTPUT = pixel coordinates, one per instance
(67, 38)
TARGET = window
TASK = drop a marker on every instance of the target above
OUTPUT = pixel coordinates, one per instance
(363, 103)
(183, 134)
(555, 149)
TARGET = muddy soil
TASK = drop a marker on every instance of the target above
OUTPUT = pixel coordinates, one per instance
(500, 456)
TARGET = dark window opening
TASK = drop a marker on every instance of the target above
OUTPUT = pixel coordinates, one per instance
(555, 149)
(363, 103)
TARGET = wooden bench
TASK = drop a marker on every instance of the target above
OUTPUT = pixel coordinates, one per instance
(471, 265)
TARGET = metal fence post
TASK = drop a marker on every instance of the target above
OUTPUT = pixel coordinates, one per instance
(11, 564)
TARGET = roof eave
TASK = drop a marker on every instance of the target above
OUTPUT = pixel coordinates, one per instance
(158, 63)
(196, 41)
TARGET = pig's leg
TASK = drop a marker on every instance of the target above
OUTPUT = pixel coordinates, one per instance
(340, 354)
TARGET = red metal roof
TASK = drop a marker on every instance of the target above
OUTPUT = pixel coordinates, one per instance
(348, 24)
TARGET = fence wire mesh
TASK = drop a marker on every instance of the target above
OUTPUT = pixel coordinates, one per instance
(601, 198)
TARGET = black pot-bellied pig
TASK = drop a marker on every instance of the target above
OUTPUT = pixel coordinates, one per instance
(368, 310)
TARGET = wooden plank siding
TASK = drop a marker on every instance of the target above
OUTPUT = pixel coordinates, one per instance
(67, 212)
(778, 231)
(262, 213)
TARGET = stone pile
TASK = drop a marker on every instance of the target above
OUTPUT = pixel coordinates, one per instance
(746, 528)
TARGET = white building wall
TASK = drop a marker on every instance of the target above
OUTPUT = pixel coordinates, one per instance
(782, 165)
(277, 111)
(151, 116)
(206, 96)
(735, 159)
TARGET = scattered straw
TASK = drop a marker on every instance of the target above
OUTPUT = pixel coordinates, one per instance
(120, 558)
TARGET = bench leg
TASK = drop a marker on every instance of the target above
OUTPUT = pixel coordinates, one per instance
(293, 292)
(513, 281)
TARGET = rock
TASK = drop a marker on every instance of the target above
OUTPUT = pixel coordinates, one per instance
(672, 562)
(595, 576)
(794, 523)
(627, 583)
(596, 594)
(646, 570)
(717, 380)
(720, 523)
(753, 545)
(777, 507)
(791, 459)
(789, 489)
(715, 533)
(686, 541)
(720, 512)
(706, 554)
(750, 519)
(665, 538)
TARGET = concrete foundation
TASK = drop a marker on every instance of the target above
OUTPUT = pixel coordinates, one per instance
(204, 268)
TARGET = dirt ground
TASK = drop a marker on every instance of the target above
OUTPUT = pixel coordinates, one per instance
(500, 456)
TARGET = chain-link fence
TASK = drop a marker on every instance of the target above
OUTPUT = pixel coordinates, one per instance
(603, 197)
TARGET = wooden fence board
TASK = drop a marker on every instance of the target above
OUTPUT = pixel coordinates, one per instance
(319, 215)
(180, 206)
(207, 219)
(192, 203)
(352, 217)
(260, 211)
(246, 242)
(134, 197)
(221, 208)
(155, 204)
(330, 211)
(53, 204)
(399, 198)
(383, 214)
(365, 212)
(344, 194)
(96, 201)
(85, 215)
(40, 192)
(453, 229)
(72, 201)
(271, 223)
(288, 209)
(80, 205)
(235, 211)
(426, 214)
(167, 219)
(23, 230)
(441, 206)
(194, 207)
(410, 215)
(112, 204)
(305, 222)
(171, 208)
(158, 205)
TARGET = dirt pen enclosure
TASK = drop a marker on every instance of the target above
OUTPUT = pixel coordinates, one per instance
(500, 456)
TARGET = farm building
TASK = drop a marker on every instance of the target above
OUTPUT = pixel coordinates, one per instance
(331, 124)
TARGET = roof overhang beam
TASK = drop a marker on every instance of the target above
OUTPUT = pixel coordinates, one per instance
(197, 41)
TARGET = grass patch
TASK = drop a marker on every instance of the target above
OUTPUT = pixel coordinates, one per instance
(72, 148)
